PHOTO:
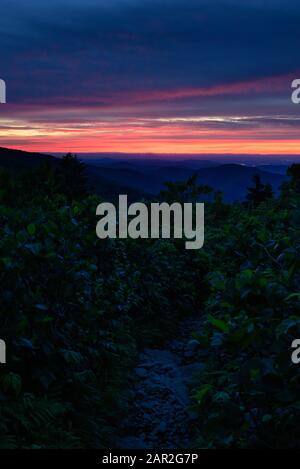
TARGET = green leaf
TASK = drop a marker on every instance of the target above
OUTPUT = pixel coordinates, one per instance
(218, 323)
(34, 248)
(48, 319)
(247, 274)
(72, 357)
(254, 373)
(267, 418)
(12, 382)
(200, 395)
(31, 229)
(75, 210)
(292, 297)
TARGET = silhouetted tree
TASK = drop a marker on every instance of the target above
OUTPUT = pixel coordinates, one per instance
(7, 187)
(259, 193)
(219, 209)
(294, 173)
(184, 191)
(71, 177)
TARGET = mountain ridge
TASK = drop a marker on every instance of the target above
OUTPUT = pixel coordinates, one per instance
(145, 179)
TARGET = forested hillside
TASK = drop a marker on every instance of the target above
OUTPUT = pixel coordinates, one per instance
(75, 311)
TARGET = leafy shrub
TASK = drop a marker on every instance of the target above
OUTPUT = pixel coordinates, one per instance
(248, 395)
(73, 311)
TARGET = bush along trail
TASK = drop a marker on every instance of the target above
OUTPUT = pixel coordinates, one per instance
(75, 309)
(245, 389)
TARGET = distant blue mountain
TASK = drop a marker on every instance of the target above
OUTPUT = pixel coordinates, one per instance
(233, 179)
(144, 177)
(150, 177)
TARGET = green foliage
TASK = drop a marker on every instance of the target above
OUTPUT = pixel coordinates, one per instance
(249, 390)
(73, 311)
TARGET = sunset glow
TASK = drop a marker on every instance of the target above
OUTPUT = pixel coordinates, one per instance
(113, 81)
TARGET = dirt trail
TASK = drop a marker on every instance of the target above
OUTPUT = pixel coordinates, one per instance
(160, 416)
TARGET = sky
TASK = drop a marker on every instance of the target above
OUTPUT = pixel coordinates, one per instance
(158, 76)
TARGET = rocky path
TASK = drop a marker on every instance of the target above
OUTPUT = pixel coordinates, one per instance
(160, 416)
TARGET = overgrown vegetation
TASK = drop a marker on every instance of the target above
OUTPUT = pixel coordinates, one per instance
(75, 309)
(248, 395)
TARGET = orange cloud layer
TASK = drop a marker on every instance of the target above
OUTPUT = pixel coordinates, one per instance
(149, 142)
(60, 128)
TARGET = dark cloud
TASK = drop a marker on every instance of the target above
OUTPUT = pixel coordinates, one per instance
(94, 48)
